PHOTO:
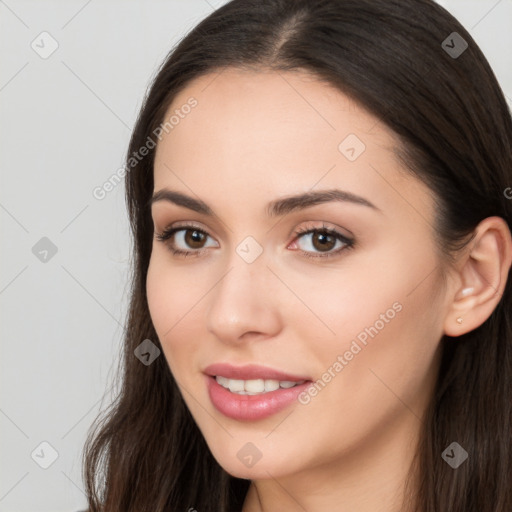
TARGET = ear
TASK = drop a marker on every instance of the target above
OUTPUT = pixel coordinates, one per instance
(483, 273)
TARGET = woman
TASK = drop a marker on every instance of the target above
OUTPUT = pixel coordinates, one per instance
(320, 310)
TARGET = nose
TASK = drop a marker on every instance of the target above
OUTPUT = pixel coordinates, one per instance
(244, 302)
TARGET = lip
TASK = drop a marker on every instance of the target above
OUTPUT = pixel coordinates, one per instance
(250, 372)
(251, 407)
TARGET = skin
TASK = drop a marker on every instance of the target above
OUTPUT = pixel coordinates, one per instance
(256, 136)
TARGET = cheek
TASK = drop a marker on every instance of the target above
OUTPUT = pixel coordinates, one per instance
(161, 296)
(337, 303)
(163, 293)
(171, 291)
(374, 316)
(174, 298)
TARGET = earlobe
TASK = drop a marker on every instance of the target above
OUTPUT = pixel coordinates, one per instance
(465, 292)
(483, 273)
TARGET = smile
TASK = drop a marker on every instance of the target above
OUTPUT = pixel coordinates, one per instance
(243, 405)
(255, 386)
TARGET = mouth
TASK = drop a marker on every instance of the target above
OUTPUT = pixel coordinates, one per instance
(251, 372)
(252, 392)
(255, 386)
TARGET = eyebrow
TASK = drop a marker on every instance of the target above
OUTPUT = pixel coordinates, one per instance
(275, 208)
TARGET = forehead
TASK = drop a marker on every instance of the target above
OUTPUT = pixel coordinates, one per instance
(276, 110)
(279, 133)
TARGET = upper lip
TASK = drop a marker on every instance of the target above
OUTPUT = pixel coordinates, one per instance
(250, 372)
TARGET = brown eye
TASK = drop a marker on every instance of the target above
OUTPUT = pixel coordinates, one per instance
(194, 238)
(185, 240)
(323, 241)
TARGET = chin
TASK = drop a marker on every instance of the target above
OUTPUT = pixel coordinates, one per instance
(263, 468)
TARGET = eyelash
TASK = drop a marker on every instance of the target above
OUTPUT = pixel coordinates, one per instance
(349, 243)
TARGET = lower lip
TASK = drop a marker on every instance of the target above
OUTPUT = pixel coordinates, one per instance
(251, 407)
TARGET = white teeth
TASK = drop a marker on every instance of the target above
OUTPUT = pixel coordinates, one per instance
(271, 385)
(235, 385)
(254, 386)
(222, 381)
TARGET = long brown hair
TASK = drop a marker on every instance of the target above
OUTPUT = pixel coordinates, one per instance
(145, 452)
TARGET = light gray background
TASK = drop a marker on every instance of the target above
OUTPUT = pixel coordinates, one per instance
(65, 123)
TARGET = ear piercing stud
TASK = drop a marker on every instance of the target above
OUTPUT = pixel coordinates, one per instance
(464, 292)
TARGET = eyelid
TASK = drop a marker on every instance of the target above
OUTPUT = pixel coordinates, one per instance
(172, 229)
(347, 241)
(299, 232)
(324, 225)
(310, 226)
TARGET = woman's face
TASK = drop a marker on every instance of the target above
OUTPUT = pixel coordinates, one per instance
(356, 311)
